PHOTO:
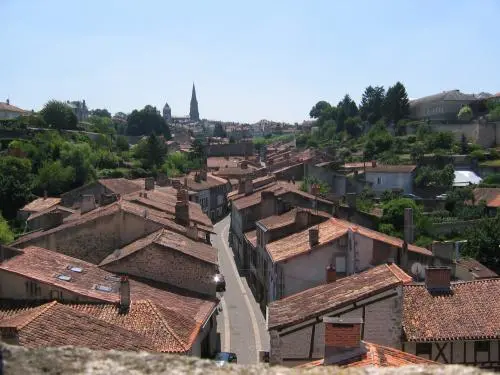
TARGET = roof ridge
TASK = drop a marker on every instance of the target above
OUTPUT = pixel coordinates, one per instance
(166, 325)
(42, 310)
(462, 282)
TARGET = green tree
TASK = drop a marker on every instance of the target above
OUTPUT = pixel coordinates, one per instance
(494, 114)
(219, 131)
(54, 177)
(198, 150)
(100, 113)
(372, 100)
(393, 215)
(464, 145)
(122, 143)
(81, 158)
(431, 176)
(146, 121)
(324, 188)
(151, 151)
(101, 124)
(465, 113)
(16, 182)
(353, 126)
(6, 235)
(320, 109)
(483, 243)
(396, 105)
(59, 115)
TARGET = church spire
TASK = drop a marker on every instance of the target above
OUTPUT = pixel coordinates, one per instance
(193, 111)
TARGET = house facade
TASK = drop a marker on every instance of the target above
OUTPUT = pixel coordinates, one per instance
(295, 323)
(442, 107)
(391, 177)
(9, 111)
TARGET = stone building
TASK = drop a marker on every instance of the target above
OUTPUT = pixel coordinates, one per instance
(295, 323)
(194, 114)
(167, 113)
(66, 301)
(442, 107)
(391, 177)
(80, 109)
(9, 111)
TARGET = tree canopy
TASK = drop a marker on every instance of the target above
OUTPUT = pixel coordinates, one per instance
(6, 235)
(219, 131)
(371, 104)
(465, 113)
(59, 115)
(483, 243)
(16, 182)
(146, 121)
(151, 151)
(100, 113)
(396, 105)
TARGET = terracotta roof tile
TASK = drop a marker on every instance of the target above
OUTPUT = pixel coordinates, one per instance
(11, 108)
(278, 221)
(184, 311)
(490, 195)
(251, 237)
(471, 311)
(215, 162)
(57, 208)
(55, 324)
(211, 182)
(379, 356)
(478, 270)
(401, 168)
(322, 299)
(167, 239)
(41, 204)
(120, 185)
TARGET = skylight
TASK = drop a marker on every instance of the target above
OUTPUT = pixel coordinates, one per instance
(75, 269)
(64, 277)
(103, 288)
(112, 278)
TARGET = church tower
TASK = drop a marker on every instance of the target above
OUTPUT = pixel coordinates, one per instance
(193, 111)
(167, 113)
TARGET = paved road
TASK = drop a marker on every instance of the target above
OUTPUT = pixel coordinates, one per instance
(241, 324)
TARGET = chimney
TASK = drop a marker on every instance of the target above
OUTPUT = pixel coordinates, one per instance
(444, 250)
(197, 177)
(313, 237)
(301, 219)
(374, 163)
(53, 219)
(162, 179)
(176, 184)
(241, 186)
(331, 274)
(149, 183)
(203, 174)
(88, 203)
(268, 202)
(408, 226)
(438, 279)
(124, 294)
(45, 194)
(248, 186)
(192, 231)
(342, 339)
(182, 208)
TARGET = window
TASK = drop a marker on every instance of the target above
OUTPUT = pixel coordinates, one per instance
(103, 288)
(56, 294)
(424, 349)
(482, 346)
(75, 269)
(379, 180)
(64, 277)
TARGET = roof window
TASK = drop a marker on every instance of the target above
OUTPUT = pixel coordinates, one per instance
(103, 288)
(75, 269)
(64, 277)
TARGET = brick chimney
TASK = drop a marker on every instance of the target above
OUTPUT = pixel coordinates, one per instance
(313, 236)
(45, 194)
(438, 279)
(241, 186)
(268, 206)
(192, 231)
(87, 204)
(374, 163)
(203, 174)
(197, 177)
(409, 235)
(301, 219)
(149, 183)
(342, 339)
(331, 274)
(182, 208)
(124, 294)
(248, 186)
(176, 184)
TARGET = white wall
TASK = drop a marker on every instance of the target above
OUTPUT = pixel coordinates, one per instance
(389, 181)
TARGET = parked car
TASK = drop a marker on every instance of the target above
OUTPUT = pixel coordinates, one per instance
(220, 282)
(412, 196)
(225, 357)
(442, 197)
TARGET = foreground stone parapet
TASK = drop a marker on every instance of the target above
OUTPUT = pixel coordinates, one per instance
(70, 360)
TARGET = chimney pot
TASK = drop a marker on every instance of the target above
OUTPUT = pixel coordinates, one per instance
(331, 274)
(124, 293)
(342, 339)
(374, 163)
(149, 183)
(313, 237)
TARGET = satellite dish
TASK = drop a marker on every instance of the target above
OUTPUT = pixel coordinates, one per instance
(418, 270)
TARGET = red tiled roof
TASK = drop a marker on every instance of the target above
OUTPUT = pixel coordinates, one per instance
(322, 299)
(210, 182)
(11, 108)
(120, 185)
(329, 230)
(478, 270)
(251, 237)
(214, 162)
(41, 204)
(182, 310)
(278, 221)
(167, 239)
(55, 324)
(490, 195)
(379, 356)
(471, 311)
(57, 208)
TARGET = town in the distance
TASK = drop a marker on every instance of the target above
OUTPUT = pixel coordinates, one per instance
(368, 235)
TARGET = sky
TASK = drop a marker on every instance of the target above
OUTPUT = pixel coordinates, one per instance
(249, 60)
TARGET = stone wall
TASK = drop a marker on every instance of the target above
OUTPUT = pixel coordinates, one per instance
(70, 360)
(161, 264)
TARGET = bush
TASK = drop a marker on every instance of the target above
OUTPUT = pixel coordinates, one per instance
(478, 155)
(6, 235)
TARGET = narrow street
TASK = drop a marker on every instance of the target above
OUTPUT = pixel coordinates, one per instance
(241, 324)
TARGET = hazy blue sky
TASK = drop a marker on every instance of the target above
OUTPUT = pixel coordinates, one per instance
(249, 60)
